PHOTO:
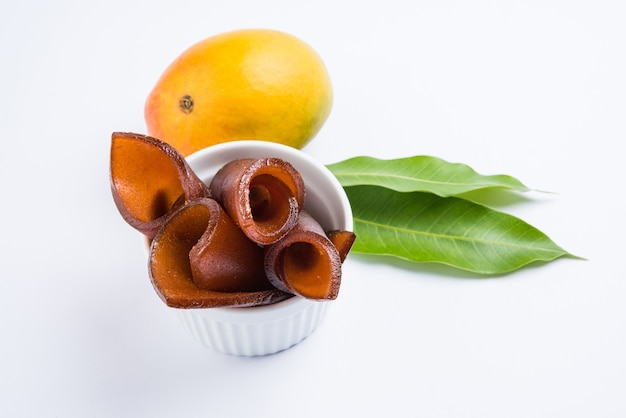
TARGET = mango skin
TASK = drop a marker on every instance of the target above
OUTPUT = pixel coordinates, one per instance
(246, 84)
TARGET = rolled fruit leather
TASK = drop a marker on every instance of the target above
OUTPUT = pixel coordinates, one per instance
(200, 259)
(148, 178)
(263, 196)
(305, 262)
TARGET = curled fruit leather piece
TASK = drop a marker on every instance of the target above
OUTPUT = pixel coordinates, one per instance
(343, 241)
(263, 196)
(200, 259)
(148, 178)
(305, 262)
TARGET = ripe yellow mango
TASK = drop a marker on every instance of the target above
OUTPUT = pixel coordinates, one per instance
(246, 84)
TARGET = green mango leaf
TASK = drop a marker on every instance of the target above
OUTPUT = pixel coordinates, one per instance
(424, 227)
(419, 173)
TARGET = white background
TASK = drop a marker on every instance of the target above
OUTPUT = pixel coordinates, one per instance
(535, 89)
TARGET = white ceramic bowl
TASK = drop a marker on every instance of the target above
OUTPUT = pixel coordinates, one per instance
(272, 328)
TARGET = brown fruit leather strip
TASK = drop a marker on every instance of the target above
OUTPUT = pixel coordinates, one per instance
(305, 262)
(262, 196)
(147, 177)
(343, 241)
(223, 259)
(199, 259)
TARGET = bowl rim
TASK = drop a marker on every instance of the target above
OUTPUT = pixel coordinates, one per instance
(254, 314)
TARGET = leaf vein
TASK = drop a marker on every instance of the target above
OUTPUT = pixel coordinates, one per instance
(412, 179)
